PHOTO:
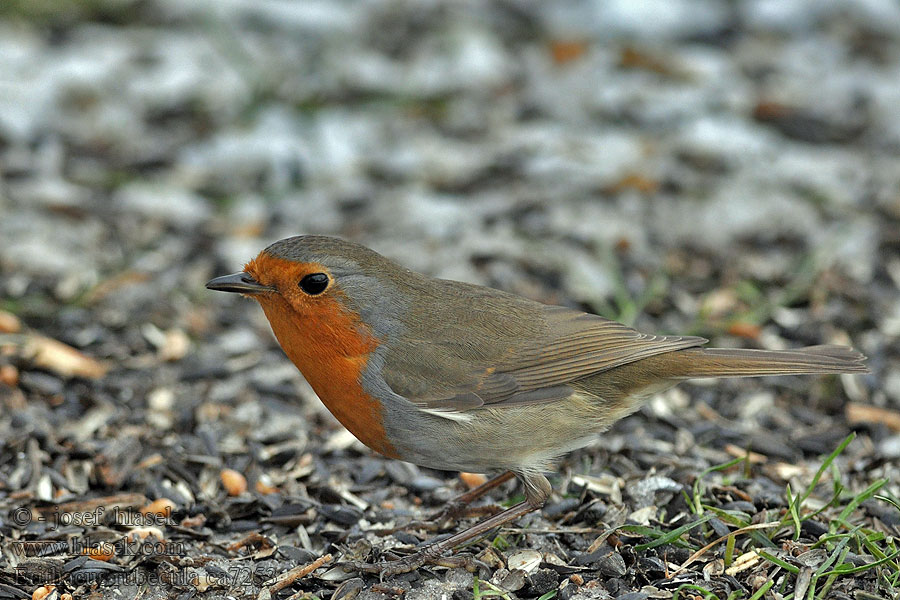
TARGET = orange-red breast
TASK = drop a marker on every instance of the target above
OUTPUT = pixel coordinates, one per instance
(456, 376)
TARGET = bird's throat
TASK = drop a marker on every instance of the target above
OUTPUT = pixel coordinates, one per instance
(331, 350)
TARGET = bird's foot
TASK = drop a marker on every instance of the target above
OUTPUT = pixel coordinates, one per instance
(446, 517)
(455, 510)
(411, 562)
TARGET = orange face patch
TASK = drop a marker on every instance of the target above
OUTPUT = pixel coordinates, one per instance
(326, 341)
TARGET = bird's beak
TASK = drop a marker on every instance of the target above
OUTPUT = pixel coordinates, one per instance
(240, 283)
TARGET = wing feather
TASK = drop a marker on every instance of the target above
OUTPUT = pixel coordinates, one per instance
(574, 345)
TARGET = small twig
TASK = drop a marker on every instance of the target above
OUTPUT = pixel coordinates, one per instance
(296, 573)
(574, 530)
(705, 548)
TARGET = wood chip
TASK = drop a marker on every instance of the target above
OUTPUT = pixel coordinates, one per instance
(738, 452)
(866, 413)
(61, 358)
(743, 562)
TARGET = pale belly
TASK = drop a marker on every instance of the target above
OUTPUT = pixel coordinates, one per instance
(522, 438)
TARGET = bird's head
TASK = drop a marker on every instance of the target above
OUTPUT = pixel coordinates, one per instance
(318, 285)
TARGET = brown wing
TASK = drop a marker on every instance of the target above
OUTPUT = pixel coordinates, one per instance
(575, 345)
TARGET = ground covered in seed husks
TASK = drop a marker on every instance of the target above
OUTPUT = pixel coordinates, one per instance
(686, 166)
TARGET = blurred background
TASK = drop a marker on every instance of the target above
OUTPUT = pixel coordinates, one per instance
(715, 167)
(582, 152)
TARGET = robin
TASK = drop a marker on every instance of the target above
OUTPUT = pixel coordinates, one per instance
(455, 376)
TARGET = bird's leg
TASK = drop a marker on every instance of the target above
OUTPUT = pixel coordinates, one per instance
(455, 508)
(537, 490)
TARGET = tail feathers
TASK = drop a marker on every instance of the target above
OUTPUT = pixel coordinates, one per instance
(728, 362)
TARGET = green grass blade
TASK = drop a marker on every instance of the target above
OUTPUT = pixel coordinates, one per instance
(841, 570)
(697, 488)
(827, 463)
(696, 588)
(674, 535)
(793, 510)
(775, 560)
(762, 590)
(859, 499)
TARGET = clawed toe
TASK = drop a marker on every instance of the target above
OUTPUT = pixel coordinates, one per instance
(386, 568)
(463, 561)
(412, 562)
(451, 511)
(454, 511)
(445, 517)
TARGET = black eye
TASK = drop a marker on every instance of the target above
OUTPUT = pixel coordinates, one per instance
(314, 283)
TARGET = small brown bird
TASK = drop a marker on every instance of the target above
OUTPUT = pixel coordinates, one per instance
(455, 376)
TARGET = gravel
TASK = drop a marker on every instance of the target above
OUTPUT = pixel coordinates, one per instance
(722, 169)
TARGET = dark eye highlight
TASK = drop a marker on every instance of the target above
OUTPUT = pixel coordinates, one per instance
(314, 283)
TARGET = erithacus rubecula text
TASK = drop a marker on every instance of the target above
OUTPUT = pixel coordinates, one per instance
(455, 376)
